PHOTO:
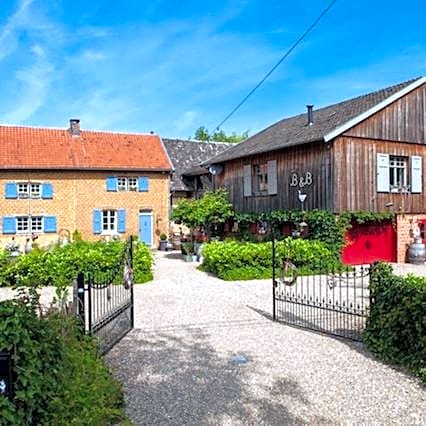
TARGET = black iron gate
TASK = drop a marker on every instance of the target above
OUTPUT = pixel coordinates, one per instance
(105, 301)
(336, 303)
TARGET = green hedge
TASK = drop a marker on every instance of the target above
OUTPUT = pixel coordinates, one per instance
(60, 265)
(396, 328)
(60, 379)
(235, 260)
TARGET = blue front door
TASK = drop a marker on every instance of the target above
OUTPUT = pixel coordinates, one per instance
(145, 228)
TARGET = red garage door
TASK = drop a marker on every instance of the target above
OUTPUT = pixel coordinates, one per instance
(369, 243)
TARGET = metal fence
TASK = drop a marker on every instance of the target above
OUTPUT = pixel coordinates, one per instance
(336, 303)
(105, 301)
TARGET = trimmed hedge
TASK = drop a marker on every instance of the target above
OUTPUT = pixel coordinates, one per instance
(60, 379)
(396, 327)
(235, 260)
(60, 265)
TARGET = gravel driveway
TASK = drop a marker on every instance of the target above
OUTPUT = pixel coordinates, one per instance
(205, 352)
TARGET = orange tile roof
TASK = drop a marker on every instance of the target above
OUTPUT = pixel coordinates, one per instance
(41, 148)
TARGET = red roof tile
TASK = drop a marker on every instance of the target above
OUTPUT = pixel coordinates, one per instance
(38, 148)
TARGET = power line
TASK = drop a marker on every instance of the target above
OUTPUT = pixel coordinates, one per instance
(310, 28)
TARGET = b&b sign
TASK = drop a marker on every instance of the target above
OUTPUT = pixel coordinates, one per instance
(301, 180)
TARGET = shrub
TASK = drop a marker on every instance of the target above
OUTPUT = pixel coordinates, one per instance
(60, 265)
(238, 260)
(142, 263)
(396, 327)
(59, 377)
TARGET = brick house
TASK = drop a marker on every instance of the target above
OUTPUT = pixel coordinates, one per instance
(101, 184)
(362, 154)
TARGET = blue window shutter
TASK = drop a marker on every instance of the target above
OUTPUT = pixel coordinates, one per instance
(143, 184)
(9, 225)
(49, 223)
(47, 190)
(97, 221)
(11, 190)
(121, 220)
(111, 183)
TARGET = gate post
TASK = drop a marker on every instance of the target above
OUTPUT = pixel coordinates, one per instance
(80, 299)
(132, 309)
(273, 275)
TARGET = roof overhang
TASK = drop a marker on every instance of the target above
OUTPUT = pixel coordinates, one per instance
(86, 169)
(359, 118)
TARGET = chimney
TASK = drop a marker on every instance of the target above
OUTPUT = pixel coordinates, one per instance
(74, 127)
(310, 114)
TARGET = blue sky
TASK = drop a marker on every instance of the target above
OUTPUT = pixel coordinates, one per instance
(172, 66)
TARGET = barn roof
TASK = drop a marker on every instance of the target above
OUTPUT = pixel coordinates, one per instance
(328, 122)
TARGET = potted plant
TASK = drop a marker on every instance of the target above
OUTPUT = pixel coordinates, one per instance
(163, 242)
(187, 251)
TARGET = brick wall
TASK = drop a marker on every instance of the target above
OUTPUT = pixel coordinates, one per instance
(77, 194)
(405, 224)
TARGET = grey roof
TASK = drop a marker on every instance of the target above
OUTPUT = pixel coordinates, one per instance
(186, 157)
(295, 130)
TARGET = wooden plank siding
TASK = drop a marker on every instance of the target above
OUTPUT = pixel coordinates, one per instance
(403, 121)
(355, 176)
(313, 158)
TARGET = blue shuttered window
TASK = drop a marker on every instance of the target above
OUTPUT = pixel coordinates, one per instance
(9, 225)
(49, 224)
(47, 191)
(121, 226)
(97, 221)
(111, 183)
(11, 190)
(143, 184)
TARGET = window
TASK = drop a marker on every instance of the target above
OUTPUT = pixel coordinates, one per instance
(29, 224)
(121, 184)
(260, 175)
(398, 167)
(132, 183)
(127, 184)
(109, 221)
(29, 190)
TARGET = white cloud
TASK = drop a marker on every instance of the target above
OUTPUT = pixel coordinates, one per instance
(8, 34)
(33, 86)
(185, 121)
(93, 55)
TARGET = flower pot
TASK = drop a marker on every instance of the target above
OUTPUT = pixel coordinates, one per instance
(163, 245)
(187, 257)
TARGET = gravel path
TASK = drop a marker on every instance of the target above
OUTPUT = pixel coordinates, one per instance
(182, 363)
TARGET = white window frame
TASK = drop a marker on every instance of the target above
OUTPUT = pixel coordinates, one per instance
(29, 190)
(132, 183)
(109, 221)
(398, 163)
(121, 184)
(29, 224)
(127, 183)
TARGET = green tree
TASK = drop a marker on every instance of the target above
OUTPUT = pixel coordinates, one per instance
(202, 134)
(211, 210)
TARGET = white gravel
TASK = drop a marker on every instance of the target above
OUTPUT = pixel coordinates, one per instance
(178, 367)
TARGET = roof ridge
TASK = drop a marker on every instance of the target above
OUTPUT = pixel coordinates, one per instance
(64, 129)
(197, 141)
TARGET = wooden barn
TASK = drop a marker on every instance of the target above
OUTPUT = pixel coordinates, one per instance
(362, 154)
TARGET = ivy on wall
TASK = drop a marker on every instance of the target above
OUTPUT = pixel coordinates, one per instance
(323, 225)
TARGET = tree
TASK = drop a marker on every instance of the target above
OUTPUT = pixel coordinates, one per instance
(211, 210)
(202, 134)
